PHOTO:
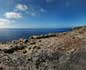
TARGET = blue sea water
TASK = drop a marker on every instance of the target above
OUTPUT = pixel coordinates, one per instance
(14, 34)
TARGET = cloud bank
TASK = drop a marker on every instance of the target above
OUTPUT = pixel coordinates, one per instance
(21, 7)
(4, 22)
(13, 15)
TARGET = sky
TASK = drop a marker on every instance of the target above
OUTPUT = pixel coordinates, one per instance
(42, 13)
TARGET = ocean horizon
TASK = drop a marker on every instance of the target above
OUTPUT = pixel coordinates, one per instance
(9, 34)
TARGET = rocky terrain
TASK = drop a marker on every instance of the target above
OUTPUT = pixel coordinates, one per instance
(54, 51)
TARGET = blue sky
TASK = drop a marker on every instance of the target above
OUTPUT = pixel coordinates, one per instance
(42, 13)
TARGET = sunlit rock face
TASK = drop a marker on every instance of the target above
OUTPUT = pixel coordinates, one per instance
(59, 51)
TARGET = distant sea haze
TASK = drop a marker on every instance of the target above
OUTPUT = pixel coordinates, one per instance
(8, 34)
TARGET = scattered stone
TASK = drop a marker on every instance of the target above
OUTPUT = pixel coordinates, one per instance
(25, 51)
(38, 47)
(26, 41)
(29, 48)
(57, 51)
(35, 47)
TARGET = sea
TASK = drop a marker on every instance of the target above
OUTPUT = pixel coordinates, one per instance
(9, 34)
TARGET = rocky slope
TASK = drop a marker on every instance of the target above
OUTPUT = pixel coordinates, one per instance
(59, 51)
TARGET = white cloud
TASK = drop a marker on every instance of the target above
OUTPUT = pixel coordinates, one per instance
(22, 7)
(13, 15)
(4, 22)
(38, 13)
(33, 14)
(42, 10)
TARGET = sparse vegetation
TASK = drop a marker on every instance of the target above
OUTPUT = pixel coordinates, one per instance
(63, 51)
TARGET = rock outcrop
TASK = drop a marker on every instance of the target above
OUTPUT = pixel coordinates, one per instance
(58, 51)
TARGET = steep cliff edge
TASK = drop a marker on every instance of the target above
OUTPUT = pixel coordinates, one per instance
(59, 51)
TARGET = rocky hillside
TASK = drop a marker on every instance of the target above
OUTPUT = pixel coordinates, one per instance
(54, 51)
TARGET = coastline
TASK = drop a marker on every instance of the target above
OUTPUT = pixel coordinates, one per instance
(16, 34)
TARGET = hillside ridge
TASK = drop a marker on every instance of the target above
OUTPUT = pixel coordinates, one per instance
(53, 51)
